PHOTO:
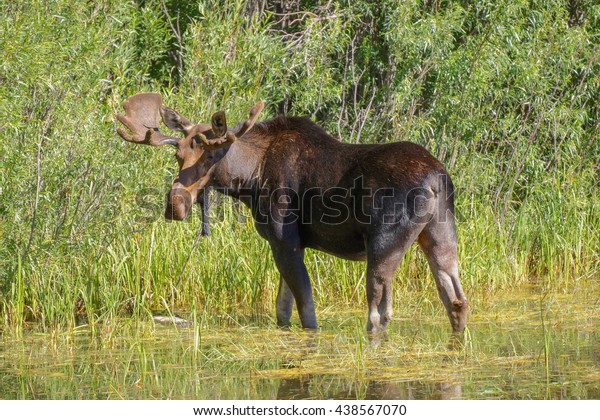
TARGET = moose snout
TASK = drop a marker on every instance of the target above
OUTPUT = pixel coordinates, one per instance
(179, 203)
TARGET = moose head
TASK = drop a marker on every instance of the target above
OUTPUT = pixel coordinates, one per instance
(199, 148)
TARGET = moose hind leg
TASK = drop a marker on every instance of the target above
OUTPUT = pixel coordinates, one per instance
(383, 258)
(381, 268)
(438, 241)
(375, 292)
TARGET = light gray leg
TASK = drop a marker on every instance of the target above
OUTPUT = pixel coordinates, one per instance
(439, 245)
(450, 292)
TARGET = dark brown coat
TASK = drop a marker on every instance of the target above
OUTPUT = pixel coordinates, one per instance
(359, 202)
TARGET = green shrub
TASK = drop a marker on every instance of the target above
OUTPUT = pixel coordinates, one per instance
(504, 93)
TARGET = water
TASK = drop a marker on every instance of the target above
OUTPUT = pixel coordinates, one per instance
(530, 345)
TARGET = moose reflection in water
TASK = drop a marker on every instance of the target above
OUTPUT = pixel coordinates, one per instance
(299, 388)
(294, 176)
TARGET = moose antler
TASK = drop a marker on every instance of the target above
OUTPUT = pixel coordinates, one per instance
(247, 125)
(142, 113)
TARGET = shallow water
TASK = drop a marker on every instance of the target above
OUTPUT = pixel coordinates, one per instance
(519, 346)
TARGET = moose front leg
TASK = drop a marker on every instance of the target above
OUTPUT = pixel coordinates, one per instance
(285, 303)
(290, 262)
(204, 202)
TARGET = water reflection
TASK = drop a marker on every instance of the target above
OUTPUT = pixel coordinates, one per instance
(300, 385)
(299, 388)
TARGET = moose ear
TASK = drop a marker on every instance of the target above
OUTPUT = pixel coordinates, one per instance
(174, 120)
(219, 124)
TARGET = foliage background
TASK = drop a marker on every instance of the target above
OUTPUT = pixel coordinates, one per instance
(505, 93)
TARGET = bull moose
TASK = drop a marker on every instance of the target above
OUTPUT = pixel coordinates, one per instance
(306, 189)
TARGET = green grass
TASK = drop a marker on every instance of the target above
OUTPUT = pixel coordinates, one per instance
(504, 94)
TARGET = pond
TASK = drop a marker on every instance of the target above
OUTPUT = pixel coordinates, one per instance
(525, 345)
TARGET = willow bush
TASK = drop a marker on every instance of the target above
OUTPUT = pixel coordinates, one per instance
(504, 93)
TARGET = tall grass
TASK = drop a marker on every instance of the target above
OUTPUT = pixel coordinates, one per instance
(504, 93)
